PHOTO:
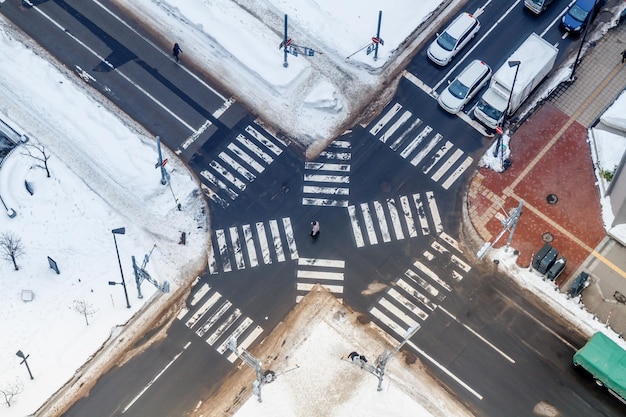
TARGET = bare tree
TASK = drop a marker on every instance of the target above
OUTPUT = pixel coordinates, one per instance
(38, 152)
(11, 248)
(84, 308)
(10, 390)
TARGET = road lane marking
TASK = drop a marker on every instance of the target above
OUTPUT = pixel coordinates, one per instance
(488, 343)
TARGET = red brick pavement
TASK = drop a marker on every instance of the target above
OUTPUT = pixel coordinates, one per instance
(564, 169)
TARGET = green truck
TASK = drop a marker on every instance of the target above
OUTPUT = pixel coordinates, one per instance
(605, 360)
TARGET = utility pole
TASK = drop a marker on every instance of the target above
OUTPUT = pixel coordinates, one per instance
(262, 378)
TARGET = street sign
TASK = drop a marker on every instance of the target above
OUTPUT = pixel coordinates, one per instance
(499, 130)
(375, 39)
(164, 162)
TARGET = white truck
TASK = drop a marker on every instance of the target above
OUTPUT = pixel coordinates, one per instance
(536, 58)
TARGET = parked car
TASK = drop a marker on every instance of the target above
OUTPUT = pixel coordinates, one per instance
(537, 6)
(579, 15)
(470, 81)
(580, 283)
(453, 39)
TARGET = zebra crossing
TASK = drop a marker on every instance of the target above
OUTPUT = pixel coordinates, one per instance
(216, 320)
(250, 245)
(413, 297)
(327, 272)
(239, 164)
(414, 141)
(327, 180)
(408, 217)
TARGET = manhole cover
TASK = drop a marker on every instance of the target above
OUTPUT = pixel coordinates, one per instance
(552, 198)
(547, 237)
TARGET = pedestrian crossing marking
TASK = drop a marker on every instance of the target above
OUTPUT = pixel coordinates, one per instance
(385, 119)
(408, 216)
(343, 156)
(321, 166)
(324, 202)
(395, 126)
(447, 165)
(407, 303)
(247, 235)
(398, 142)
(434, 212)
(213, 319)
(291, 241)
(416, 294)
(254, 149)
(265, 141)
(356, 227)
(278, 244)
(204, 289)
(415, 142)
(246, 158)
(426, 150)
(234, 238)
(398, 329)
(421, 215)
(397, 312)
(450, 241)
(457, 172)
(219, 184)
(326, 181)
(203, 309)
(307, 189)
(423, 268)
(341, 179)
(437, 156)
(265, 250)
(223, 327)
(458, 262)
(313, 271)
(236, 333)
(413, 276)
(382, 221)
(238, 167)
(246, 342)
(395, 219)
(369, 224)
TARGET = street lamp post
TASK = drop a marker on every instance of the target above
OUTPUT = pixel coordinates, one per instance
(120, 231)
(580, 49)
(512, 64)
(21, 355)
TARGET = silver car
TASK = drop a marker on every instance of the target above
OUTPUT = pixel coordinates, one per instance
(464, 87)
(453, 39)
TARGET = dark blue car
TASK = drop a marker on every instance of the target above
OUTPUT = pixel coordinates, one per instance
(581, 13)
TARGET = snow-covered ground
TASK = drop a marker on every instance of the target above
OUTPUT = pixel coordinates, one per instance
(103, 176)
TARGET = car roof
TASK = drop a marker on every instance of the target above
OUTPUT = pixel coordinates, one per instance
(586, 4)
(473, 71)
(459, 26)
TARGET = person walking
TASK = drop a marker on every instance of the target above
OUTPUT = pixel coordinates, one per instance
(315, 229)
(624, 56)
(176, 51)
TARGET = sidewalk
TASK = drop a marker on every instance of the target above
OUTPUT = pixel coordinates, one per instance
(552, 171)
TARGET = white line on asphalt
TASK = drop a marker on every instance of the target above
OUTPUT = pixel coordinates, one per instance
(491, 345)
(130, 404)
(445, 370)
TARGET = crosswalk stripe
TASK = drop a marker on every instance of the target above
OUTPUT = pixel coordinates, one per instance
(234, 239)
(385, 119)
(236, 333)
(426, 150)
(213, 195)
(203, 309)
(421, 215)
(398, 142)
(447, 165)
(343, 179)
(278, 244)
(322, 166)
(335, 289)
(238, 167)
(395, 126)
(341, 144)
(211, 260)
(219, 184)
(369, 224)
(416, 294)
(223, 327)
(265, 141)
(457, 173)
(241, 186)
(399, 330)
(434, 212)
(397, 312)
(307, 189)
(265, 249)
(291, 240)
(458, 262)
(408, 216)
(456, 275)
(382, 221)
(223, 247)
(246, 158)
(334, 276)
(213, 319)
(328, 263)
(412, 275)
(343, 156)
(438, 247)
(356, 229)
(247, 235)
(431, 275)
(407, 303)
(326, 202)
(450, 241)
(246, 342)
(438, 155)
(415, 142)
(254, 149)
(204, 289)
(395, 219)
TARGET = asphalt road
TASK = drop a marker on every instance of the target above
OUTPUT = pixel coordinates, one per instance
(399, 225)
